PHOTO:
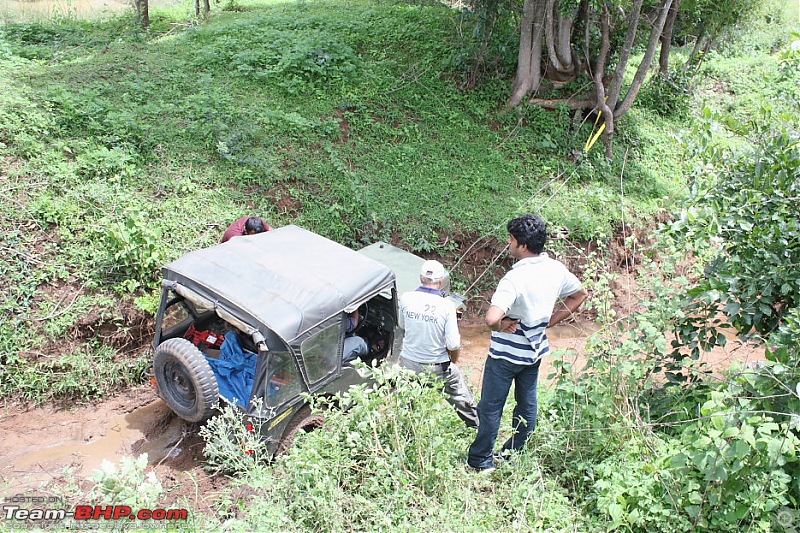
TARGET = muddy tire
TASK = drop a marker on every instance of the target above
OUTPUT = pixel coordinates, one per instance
(185, 380)
(303, 421)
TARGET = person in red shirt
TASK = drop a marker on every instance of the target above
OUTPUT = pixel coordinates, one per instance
(246, 226)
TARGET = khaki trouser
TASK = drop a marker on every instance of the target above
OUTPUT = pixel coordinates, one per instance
(455, 386)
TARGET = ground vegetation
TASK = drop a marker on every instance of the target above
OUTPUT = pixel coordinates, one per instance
(122, 148)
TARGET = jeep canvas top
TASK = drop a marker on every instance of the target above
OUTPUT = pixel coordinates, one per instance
(288, 279)
(261, 319)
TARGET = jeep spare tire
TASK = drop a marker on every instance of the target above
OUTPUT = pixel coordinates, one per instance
(185, 380)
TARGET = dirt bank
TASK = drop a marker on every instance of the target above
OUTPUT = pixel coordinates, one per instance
(45, 445)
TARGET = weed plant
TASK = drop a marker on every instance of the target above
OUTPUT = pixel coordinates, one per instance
(391, 457)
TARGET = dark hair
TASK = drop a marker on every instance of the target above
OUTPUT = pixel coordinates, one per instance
(255, 225)
(529, 230)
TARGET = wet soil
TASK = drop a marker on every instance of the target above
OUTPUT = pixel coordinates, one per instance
(38, 444)
(45, 446)
(50, 446)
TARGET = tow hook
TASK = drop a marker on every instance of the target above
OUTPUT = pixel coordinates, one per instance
(150, 374)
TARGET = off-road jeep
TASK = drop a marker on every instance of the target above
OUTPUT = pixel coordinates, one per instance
(260, 319)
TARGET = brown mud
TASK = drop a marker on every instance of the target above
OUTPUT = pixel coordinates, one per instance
(43, 446)
(52, 445)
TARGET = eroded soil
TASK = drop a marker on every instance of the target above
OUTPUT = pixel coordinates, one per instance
(44, 447)
(51, 446)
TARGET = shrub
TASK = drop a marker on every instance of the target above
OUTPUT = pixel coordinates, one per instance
(391, 457)
(668, 95)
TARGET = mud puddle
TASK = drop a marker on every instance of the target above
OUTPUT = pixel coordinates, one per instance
(570, 338)
(40, 443)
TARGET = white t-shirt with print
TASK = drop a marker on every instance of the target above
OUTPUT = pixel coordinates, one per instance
(431, 326)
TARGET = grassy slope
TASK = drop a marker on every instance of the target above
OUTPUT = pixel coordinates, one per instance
(123, 150)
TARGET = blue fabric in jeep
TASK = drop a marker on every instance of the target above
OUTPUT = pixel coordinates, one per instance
(234, 370)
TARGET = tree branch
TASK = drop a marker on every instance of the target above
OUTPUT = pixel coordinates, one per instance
(571, 103)
(644, 66)
(616, 82)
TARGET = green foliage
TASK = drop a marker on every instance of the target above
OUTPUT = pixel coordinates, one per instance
(391, 457)
(789, 57)
(668, 95)
(88, 373)
(233, 444)
(136, 249)
(651, 457)
(126, 484)
(121, 150)
(764, 30)
(741, 218)
(745, 208)
(709, 19)
(493, 46)
(734, 469)
(311, 63)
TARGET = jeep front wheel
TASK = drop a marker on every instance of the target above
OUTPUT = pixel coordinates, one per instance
(185, 380)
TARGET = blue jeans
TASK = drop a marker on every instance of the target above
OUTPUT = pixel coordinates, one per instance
(497, 377)
(354, 347)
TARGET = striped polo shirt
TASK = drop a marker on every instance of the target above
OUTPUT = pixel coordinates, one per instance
(528, 293)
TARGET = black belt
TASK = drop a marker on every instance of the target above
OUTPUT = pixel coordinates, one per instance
(445, 365)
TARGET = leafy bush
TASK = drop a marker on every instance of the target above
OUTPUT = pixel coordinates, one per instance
(136, 249)
(263, 52)
(668, 95)
(392, 457)
(789, 57)
(743, 206)
(126, 484)
(232, 444)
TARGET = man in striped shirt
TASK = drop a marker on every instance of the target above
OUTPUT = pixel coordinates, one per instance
(522, 307)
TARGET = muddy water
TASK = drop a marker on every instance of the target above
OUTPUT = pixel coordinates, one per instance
(122, 431)
(568, 337)
(37, 445)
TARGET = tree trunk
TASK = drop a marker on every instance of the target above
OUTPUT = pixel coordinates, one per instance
(203, 10)
(529, 60)
(143, 12)
(615, 87)
(666, 38)
(549, 30)
(647, 60)
(601, 101)
(694, 57)
(559, 50)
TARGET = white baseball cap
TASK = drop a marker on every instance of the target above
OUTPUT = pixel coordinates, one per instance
(432, 269)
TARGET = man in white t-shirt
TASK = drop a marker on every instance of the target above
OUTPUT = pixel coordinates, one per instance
(522, 307)
(432, 341)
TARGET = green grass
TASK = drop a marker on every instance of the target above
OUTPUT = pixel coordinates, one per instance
(123, 149)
